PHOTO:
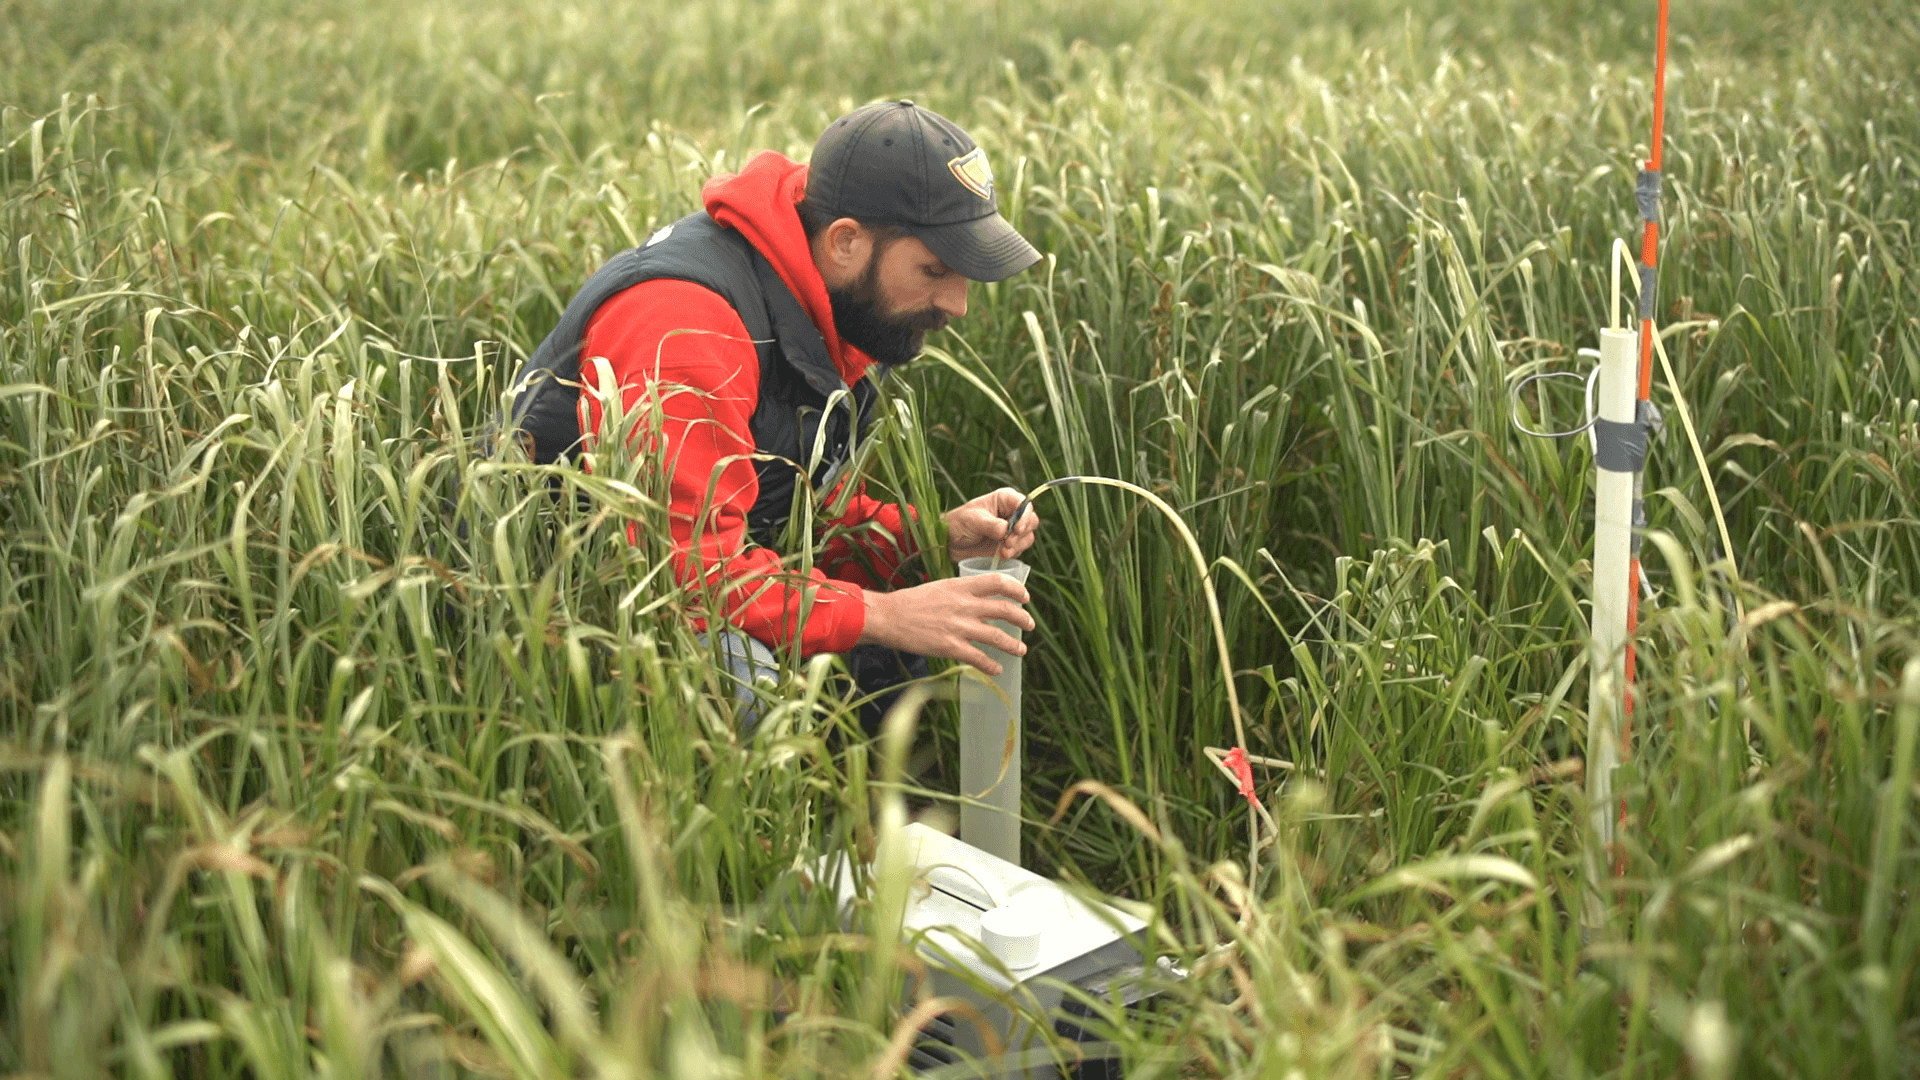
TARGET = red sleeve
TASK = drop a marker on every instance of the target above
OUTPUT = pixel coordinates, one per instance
(705, 382)
(868, 544)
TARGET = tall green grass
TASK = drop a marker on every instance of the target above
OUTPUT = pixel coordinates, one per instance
(332, 745)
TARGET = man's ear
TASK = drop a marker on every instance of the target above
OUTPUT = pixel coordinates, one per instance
(841, 251)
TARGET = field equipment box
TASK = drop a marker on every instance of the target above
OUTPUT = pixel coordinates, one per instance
(992, 933)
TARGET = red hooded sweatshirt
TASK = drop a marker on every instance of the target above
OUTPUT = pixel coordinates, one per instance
(704, 437)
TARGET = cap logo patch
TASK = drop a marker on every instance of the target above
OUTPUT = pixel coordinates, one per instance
(972, 170)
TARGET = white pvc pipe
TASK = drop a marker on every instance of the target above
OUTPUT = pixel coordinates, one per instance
(990, 739)
(1612, 554)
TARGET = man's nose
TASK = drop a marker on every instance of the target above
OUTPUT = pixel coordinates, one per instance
(951, 297)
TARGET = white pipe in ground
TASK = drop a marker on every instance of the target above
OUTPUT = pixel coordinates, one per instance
(990, 742)
(1612, 556)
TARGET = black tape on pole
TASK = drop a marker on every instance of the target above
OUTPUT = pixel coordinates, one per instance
(1646, 192)
(1619, 446)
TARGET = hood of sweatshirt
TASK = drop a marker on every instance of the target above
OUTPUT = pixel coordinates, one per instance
(760, 202)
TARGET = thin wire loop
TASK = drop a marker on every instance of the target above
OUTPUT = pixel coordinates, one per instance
(1513, 400)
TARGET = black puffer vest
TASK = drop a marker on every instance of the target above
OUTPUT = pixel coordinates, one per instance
(797, 416)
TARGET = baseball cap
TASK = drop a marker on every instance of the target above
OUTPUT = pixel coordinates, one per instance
(895, 163)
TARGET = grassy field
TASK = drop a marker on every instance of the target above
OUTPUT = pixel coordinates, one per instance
(332, 747)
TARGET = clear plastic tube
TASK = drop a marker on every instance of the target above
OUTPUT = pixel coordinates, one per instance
(990, 738)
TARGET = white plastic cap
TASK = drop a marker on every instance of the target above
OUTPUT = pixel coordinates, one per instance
(1012, 934)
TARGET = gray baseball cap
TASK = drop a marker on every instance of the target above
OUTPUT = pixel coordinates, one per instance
(896, 163)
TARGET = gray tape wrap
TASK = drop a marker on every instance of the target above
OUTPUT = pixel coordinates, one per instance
(1650, 417)
(1619, 446)
(1647, 193)
(1649, 280)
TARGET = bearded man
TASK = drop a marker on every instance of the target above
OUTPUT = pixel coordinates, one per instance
(751, 334)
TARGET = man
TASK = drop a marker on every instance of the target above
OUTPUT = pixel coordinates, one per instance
(753, 332)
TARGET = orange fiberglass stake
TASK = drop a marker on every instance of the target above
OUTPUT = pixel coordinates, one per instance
(1621, 422)
(1647, 193)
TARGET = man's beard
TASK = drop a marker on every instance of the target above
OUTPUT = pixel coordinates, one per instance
(889, 339)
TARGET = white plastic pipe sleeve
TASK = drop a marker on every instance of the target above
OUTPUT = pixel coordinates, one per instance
(1612, 554)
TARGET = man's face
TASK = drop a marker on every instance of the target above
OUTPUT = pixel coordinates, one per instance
(904, 293)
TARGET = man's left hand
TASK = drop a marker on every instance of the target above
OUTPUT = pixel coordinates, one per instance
(978, 527)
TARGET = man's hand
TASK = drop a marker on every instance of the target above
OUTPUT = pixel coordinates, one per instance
(976, 528)
(947, 617)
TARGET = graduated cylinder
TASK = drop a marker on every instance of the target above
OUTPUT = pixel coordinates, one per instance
(990, 742)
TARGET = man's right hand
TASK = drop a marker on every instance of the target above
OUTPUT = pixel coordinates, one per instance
(948, 617)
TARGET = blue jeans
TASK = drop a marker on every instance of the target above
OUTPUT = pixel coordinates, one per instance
(879, 672)
(749, 663)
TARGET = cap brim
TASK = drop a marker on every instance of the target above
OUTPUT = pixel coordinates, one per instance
(984, 249)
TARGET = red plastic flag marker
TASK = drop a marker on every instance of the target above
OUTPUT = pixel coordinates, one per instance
(1236, 760)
